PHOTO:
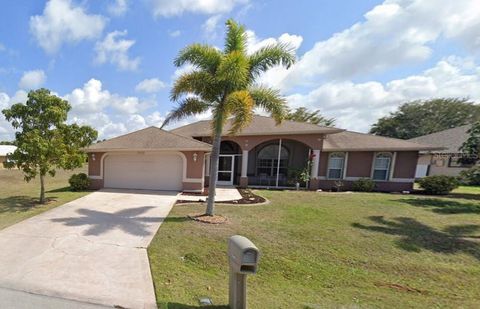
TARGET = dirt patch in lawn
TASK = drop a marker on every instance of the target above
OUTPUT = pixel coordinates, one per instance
(208, 219)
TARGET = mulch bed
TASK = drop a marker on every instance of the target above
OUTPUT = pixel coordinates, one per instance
(248, 198)
(216, 219)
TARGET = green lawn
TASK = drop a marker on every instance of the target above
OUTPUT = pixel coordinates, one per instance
(468, 190)
(19, 199)
(328, 250)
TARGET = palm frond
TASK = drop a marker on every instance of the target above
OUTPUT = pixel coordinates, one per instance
(236, 39)
(186, 108)
(201, 56)
(234, 70)
(270, 56)
(271, 101)
(240, 105)
(199, 83)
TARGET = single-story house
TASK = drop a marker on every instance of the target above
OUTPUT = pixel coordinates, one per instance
(4, 151)
(262, 155)
(446, 159)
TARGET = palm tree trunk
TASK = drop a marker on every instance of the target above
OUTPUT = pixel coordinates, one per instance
(217, 139)
(42, 189)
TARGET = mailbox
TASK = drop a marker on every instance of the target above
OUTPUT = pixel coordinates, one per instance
(243, 258)
(243, 255)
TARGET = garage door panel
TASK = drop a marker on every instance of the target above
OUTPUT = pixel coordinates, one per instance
(147, 171)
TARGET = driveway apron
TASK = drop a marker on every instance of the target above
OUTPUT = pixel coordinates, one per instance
(91, 250)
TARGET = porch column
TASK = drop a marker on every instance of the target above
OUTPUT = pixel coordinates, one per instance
(207, 165)
(316, 162)
(313, 185)
(243, 177)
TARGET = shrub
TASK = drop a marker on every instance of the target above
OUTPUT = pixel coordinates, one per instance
(79, 182)
(471, 176)
(363, 185)
(438, 184)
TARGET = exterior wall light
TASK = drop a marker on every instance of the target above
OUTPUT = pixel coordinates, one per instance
(93, 157)
(195, 156)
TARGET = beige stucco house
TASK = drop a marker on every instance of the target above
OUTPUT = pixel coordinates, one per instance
(444, 160)
(4, 151)
(262, 155)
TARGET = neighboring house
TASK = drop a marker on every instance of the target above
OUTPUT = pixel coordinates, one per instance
(261, 155)
(4, 151)
(445, 160)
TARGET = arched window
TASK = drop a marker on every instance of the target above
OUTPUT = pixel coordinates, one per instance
(381, 166)
(336, 165)
(267, 160)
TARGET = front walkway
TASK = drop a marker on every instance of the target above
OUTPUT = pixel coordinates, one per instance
(222, 194)
(91, 250)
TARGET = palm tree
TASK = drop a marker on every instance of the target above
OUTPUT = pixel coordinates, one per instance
(224, 83)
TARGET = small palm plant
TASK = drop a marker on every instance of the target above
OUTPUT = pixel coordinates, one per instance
(223, 82)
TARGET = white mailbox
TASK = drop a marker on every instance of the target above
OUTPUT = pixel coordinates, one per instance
(243, 255)
(243, 258)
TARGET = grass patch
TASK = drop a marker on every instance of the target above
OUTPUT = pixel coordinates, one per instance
(327, 250)
(19, 199)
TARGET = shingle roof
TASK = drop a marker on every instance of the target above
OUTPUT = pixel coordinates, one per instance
(260, 125)
(6, 149)
(354, 141)
(151, 138)
(451, 139)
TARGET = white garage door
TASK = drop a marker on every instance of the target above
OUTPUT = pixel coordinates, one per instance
(143, 171)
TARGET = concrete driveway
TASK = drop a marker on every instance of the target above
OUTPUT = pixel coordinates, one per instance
(91, 250)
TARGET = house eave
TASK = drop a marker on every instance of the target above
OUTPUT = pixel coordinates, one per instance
(89, 150)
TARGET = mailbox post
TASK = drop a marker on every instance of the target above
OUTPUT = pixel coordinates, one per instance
(243, 258)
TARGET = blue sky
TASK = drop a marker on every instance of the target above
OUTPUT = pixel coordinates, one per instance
(357, 60)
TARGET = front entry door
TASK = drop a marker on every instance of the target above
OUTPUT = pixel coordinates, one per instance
(225, 170)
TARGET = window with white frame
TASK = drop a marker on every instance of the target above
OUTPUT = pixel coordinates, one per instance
(381, 166)
(336, 164)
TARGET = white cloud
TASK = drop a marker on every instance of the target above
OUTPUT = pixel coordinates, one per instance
(62, 22)
(118, 7)
(168, 8)
(91, 98)
(182, 70)
(357, 105)
(393, 33)
(151, 85)
(209, 27)
(32, 80)
(274, 76)
(155, 119)
(175, 33)
(4, 100)
(114, 49)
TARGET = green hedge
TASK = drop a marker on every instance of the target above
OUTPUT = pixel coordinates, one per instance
(438, 184)
(79, 182)
(363, 185)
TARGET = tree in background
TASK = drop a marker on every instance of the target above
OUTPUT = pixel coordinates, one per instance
(44, 142)
(11, 143)
(419, 118)
(223, 82)
(302, 114)
(471, 147)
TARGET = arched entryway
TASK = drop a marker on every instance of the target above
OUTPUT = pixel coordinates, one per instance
(277, 163)
(229, 164)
